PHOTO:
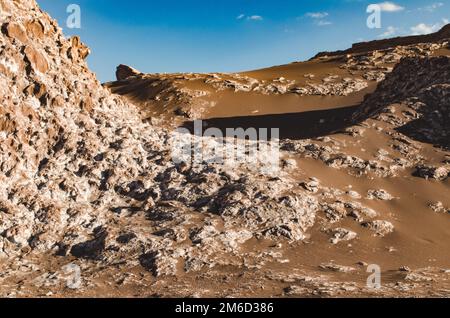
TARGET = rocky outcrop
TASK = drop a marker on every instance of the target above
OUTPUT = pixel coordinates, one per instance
(55, 118)
(124, 71)
(423, 86)
(84, 174)
(437, 173)
(412, 77)
(332, 87)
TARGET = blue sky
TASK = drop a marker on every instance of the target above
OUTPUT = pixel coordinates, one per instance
(232, 35)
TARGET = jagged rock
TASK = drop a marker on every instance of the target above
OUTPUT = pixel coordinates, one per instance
(37, 59)
(91, 249)
(311, 186)
(235, 239)
(380, 227)
(35, 29)
(135, 190)
(374, 76)
(18, 234)
(124, 71)
(354, 194)
(199, 235)
(355, 131)
(346, 87)
(438, 207)
(337, 268)
(158, 263)
(289, 164)
(76, 159)
(342, 235)
(381, 194)
(16, 31)
(428, 172)
(402, 84)
(335, 211)
(78, 50)
(297, 291)
(126, 238)
(290, 231)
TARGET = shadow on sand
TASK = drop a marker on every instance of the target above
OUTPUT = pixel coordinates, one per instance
(293, 126)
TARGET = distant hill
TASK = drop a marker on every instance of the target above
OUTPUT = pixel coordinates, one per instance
(384, 44)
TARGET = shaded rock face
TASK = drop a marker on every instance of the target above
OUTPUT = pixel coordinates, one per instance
(432, 124)
(436, 173)
(123, 72)
(411, 77)
(91, 249)
(49, 131)
(423, 85)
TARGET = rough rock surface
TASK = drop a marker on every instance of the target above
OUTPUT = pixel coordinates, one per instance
(423, 84)
(76, 161)
(124, 71)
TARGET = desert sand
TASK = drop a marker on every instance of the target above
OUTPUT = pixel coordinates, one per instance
(89, 186)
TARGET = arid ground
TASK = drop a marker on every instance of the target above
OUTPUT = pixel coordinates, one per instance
(93, 204)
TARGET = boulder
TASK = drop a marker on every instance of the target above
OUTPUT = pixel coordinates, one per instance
(124, 71)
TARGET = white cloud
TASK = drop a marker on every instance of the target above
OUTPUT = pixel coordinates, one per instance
(432, 7)
(388, 6)
(255, 18)
(323, 23)
(317, 15)
(319, 18)
(250, 17)
(390, 31)
(423, 28)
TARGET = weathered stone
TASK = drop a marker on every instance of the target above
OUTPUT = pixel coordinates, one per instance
(337, 268)
(342, 235)
(123, 72)
(158, 264)
(381, 194)
(17, 31)
(428, 172)
(35, 29)
(380, 227)
(37, 59)
(90, 249)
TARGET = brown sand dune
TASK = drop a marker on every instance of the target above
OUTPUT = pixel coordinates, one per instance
(267, 91)
(328, 81)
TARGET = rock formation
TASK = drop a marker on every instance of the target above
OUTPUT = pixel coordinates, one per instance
(77, 161)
